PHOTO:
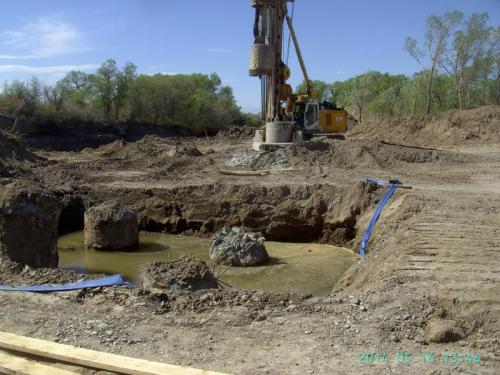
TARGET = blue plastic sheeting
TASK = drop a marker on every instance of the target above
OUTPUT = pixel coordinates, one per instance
(114, 280)
(389, 193)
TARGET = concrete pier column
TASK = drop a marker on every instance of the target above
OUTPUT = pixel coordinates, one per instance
(29, 219)
(110, 226)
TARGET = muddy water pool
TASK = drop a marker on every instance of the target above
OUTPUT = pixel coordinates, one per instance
(295, 267)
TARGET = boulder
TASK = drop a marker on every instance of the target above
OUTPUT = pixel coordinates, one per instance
(186, 274)
(110, 226)
(444, 331)
(184, 150)
(235, 247)
(29, 219)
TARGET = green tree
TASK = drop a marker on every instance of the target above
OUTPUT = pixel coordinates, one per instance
(24, 96)
(322, 91)
(484, 62)
(196, 101)
(123, 82)
(362, 92)
(436, 40)
(77, 90)
(467, 45)
(105, 81)
(55, 96)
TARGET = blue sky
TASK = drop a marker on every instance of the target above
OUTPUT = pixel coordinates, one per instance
(339, 39)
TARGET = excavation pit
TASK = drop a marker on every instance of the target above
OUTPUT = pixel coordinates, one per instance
(294, 219)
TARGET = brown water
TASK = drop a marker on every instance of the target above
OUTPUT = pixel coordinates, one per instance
(295, 267)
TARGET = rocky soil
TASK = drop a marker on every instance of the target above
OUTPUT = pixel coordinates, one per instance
(186, 274)
(425, 299)
(237, 247)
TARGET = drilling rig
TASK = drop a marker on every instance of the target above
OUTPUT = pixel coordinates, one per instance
(288, 117)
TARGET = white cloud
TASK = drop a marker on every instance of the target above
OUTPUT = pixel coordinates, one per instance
(163, 73)
(218, 50)
(43, 38)
(340, 72)
(18, 57)
(54, 69)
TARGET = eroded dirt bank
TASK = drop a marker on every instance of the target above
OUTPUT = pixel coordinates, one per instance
(477, 126)
(432, 262)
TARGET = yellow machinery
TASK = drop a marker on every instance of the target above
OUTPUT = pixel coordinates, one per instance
(288, 117)
(333, 120)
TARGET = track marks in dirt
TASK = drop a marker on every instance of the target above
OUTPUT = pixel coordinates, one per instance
(458, 244)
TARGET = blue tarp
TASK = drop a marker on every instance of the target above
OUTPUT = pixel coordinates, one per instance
(96, 283)
(394, 184)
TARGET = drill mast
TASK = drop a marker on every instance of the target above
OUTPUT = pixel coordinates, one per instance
(266, 58)
(288, 117)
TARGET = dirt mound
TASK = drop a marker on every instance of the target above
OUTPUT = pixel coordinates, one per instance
(151, 152)
(275, 160)
(236, 132)
(75, 135)
(184, 150)
(14, 157)
(185, 274)
(347, 154)
(148, 148)
(368, 154)
(451, 128)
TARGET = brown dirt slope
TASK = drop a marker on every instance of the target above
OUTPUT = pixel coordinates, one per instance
(150, 151)
(451, 128)
(14, 157)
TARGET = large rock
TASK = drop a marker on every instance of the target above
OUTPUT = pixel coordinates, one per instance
(185, 274)
(110, 226)
(444, 331)
(235, 247)
(29, 218)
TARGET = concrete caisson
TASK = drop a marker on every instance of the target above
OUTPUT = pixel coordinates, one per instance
(29, 219)
(112, 227)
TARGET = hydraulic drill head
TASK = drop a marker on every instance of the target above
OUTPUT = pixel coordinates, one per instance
(261, 63)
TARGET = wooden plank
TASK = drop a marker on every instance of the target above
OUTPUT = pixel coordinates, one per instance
(12, 365)
(92, 358)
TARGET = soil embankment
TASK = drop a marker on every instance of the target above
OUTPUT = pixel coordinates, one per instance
(74, 135)
(15, 159)
(478, 126)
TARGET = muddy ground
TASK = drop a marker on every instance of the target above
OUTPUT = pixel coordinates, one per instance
(429, 284)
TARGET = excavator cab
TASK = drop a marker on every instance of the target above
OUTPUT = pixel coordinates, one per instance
(306, 115)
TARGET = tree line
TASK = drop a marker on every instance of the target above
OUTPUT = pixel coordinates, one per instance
(197, 101)
(460, 68)
(460, 61)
